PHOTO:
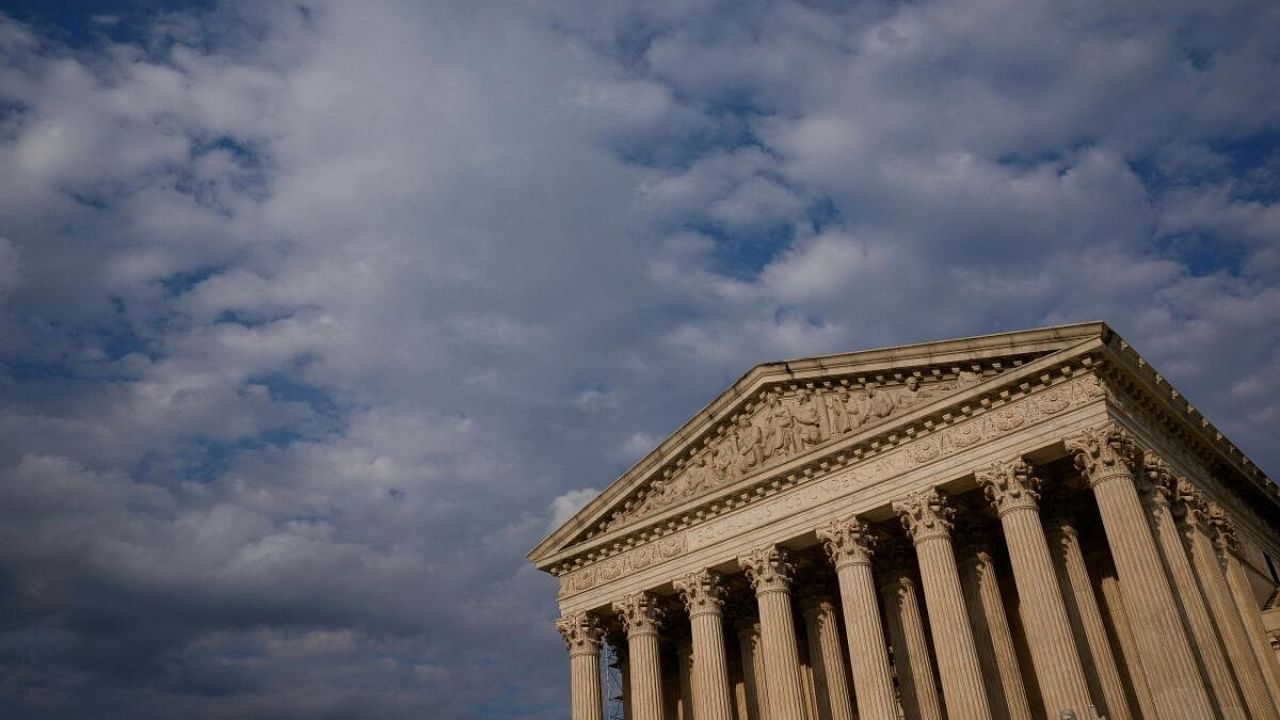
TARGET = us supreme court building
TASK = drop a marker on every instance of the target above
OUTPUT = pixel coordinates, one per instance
(1025, 525)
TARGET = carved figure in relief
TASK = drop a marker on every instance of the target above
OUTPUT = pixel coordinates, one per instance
(871, 404)
(808, 424)
(779, 439)
(722, 460)
(700, 474)
(912, 394)
(838, 410)
(748, 440)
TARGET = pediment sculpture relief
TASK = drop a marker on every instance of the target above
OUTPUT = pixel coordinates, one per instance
(777, 425)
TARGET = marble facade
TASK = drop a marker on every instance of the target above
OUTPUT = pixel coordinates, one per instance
(1025, 525)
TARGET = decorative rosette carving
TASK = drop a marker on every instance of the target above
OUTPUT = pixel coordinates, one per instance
(582, 633)
(1102, 452)
(925, 514)
(768, 568)
(1224, 528)
(702, 591)
(641, 613)
(1009, 485)
(849, 541)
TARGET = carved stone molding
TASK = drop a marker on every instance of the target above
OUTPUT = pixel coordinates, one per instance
(1190, 506)
(702, 591)
(925, 515)
(768, 568)
(582, 633)
(641, 613)
(1103, 452)
(1009, 485)
(849, 541)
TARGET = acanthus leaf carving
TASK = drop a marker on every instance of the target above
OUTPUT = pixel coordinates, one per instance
(1102, 452)
(1009, 485)
(768, 568)
(702, 591)
(582, 633)
(848, 541)
(641, 613)
(925, 514)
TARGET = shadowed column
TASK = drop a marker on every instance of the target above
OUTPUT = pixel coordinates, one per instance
(1224, 532)
(752, 670)
(996, 652)
(927, 518)
(1012, 489)
(850, 544)
(1083, 609)
(920, 696)
(641, 616)
(827, 659)
(582, 634)
(770, 571)
(1193, 512)
(1105, 455)
(703, 594)
(1158, 490)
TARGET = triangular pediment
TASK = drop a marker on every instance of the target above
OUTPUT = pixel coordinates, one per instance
(778, 412)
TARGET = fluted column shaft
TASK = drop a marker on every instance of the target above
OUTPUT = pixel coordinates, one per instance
(684, 676)
(926, 518)
(850, 544)
(703, 594)
(770, 570)
(1242, 594)
(1086, 618)
(1113, 602)
(752, 670)
(641, 615)
(582, 634)
(1159, 490)
(1105, 456)
(920, 696)
(1195, 526)
(999, 657)
(1012, 489)
(827, 659)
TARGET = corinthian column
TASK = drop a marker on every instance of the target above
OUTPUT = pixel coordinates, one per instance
(703, 594)
(998, 657)
(1193, 512)
(927, 519)
(1012, 489)
(770, 571)
(910, 646)
(582, 634)
(1159, 489)
(1225, 538)
(1105, 456)
(850, 544)
(1084, 611)
(641, 616)
(827, 659)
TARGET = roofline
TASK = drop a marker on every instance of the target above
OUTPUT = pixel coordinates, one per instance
(1054, 337)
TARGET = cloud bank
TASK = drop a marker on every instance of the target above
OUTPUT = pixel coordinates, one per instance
(315, 316)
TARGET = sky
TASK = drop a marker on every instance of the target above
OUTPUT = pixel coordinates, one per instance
(316, 316)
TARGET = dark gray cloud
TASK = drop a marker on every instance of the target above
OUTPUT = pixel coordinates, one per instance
(313, 319)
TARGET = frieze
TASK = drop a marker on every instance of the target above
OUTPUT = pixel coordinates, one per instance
(840, 481)
(779, 424)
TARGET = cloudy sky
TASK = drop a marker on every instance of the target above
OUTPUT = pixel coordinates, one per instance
(316, 316)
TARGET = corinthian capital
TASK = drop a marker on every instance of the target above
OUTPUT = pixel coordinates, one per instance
(849, 541)
(582, 633)
(1224, 528)
(702, 591)
(768, 568)
(1158, 482)
(1009, 485)
(925, 514)
(1102, 452)
(641, 613)
(1190, 506)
